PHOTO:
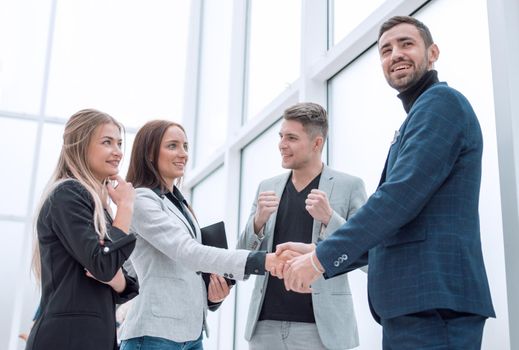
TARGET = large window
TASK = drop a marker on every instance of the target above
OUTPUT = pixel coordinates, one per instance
(274, 45)
(215, 66)
(23, 49)
(347, 15)
(363, 124)
(124, 58)
(260, 160)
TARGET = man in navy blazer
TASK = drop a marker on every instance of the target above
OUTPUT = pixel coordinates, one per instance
(427, 283)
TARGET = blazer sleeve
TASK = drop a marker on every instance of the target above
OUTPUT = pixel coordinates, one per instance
(169, 235)
(131, 290)
(71, 212)
(356, 200)
(428, 151)
(248, 238)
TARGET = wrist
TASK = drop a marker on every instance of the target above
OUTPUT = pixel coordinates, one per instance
(316, 265)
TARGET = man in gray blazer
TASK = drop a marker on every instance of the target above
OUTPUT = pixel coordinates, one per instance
(304, 205)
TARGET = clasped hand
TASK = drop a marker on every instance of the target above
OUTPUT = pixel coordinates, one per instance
(292, 263)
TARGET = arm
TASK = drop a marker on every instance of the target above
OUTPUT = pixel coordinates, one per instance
(71, 212)
(168, 234)
(429, 149)
(264, 205)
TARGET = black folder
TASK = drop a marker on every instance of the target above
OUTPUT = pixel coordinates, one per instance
(214, 236)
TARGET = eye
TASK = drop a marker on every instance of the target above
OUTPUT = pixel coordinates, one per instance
(172, 146)
(119, 144)
(186, 147)
(106, 142)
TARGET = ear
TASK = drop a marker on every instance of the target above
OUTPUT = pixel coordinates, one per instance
(318, 143)
(433, 53)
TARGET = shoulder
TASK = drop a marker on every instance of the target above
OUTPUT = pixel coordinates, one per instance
(442, 96)
(68, 189)
(145, 196)
(273, 180)
(344, 177)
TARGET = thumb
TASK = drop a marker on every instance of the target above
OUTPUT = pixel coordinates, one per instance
(280, 248)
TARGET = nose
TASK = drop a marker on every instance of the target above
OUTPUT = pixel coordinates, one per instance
(118, 151)
(396, 54)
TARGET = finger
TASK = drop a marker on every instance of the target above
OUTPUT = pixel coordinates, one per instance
(280, 248)
(117, 178)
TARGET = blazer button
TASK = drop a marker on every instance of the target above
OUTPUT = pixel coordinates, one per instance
(199, 272)
(231, 275)
(345, 256)
(336, 263)
(225, 275)
(106, 249)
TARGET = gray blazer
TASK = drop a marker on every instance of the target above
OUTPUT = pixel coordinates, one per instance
(172, 301)
(332, 301)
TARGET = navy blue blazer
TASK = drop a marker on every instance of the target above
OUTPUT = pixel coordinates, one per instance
(421, 226)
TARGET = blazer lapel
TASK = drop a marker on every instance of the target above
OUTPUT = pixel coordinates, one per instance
(279, 187)
(177, 212)
(326, 185)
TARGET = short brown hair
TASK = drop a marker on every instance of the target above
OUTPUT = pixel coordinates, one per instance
(396, 20)
(311, 115)
(143, 170)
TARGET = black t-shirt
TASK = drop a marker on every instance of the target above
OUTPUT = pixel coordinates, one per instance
(293, 224)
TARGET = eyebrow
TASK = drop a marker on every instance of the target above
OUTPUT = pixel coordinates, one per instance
(401, 39)
(110, 138)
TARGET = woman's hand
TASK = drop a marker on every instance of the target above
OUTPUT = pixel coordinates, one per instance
(118, 283)
(123, 193)
(218, 289)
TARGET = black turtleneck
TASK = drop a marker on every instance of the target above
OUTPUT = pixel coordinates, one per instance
(411, 94)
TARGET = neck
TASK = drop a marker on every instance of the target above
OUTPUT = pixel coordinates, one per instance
(302, 177)
(411, 94)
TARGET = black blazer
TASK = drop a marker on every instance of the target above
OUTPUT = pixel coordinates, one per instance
(78, 312)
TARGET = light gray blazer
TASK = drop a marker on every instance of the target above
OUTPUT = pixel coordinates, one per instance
(332, 301)
(172, 301)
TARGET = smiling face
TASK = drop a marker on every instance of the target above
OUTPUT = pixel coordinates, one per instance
(404, 57)
(298, 149)
(104, 151)
(173, 155)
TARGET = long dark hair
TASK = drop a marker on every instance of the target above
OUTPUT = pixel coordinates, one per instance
(144, 169)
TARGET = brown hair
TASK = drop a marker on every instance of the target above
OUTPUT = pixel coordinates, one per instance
(144, 169)
(311, 115)
(396, 20)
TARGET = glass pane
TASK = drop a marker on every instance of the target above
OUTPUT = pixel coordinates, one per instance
(132, 68)
(208, 213)
(24, 27)
(347, 15)
(274, 50)
(17, 139)
(265, 147)
(49, 150)
(214, 83)
(10, 256)
(361, 132)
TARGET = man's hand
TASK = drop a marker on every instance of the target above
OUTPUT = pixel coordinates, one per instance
(301, 248)
(218, 289)
(318, 206)
(268, 203)
(275, 263)
(118, 283)
(299, 273)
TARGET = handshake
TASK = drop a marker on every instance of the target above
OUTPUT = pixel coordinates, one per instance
(296, 264)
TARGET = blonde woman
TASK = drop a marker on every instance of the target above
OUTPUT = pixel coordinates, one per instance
(80, 249)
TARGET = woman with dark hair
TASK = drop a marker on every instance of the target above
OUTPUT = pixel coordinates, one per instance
(169, 258)
(80, 249)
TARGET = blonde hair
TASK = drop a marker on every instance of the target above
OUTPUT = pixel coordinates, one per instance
(73, 165)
